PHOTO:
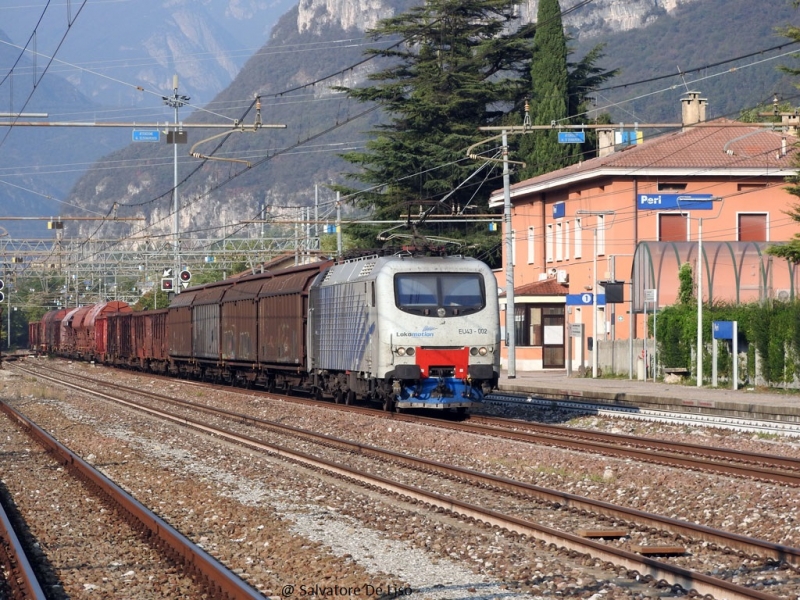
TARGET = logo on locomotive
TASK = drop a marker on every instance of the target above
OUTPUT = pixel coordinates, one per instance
(426, 332)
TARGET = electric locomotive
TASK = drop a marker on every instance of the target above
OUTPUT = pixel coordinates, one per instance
(406, 331)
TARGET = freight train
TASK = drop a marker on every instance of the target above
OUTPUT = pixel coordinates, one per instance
(404, 331)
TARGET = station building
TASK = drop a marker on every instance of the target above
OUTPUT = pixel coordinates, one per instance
(632, 216)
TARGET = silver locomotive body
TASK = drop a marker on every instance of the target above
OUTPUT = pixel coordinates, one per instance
(409, 332)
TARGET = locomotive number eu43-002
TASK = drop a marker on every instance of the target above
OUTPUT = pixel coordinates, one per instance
(473, 331)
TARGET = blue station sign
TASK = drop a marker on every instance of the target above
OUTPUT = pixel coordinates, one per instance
(146, 135)
(586, 299)
(674, 202)
(571, 137)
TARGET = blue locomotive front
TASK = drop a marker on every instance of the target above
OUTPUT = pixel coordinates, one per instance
(405, 331)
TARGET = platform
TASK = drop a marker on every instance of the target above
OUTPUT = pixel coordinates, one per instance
(748, 402)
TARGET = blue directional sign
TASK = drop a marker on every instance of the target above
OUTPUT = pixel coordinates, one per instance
(571, 137)
(146, 135)
(674, 202)
(585, 299)
(723, 330)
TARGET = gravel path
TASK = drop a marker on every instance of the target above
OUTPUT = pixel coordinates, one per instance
(278, 524)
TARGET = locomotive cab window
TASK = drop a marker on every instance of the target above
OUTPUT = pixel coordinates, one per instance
(425, 293)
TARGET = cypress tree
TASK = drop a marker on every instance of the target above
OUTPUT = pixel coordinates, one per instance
(549, 94)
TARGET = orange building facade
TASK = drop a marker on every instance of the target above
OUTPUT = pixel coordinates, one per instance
(634, 215)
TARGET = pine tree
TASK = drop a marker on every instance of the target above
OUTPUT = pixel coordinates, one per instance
(444, 81)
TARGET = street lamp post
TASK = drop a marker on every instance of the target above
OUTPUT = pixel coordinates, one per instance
(596, 213)
(700, 302)
(699, 271)
(175, 101)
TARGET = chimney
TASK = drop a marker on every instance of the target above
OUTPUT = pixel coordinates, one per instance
(605, 142)
(693, 109)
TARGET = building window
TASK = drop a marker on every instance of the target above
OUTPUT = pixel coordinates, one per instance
(530, 246)
(668, 186)
(559, 242)
(549, 243)
(578, 238)
(750, 187)
(513, 247)
(566, 240)
(601, 235)
(531, 320)
(672, 228)
(752, 227)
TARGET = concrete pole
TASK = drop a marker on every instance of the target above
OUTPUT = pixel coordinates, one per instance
(510, 320)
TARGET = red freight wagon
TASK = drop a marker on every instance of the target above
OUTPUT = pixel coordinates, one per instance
(51, 329)
(96, 325)
(67, 342)
(35, 336)
(91, 328)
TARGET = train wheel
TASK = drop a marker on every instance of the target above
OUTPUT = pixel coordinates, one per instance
(350, 397)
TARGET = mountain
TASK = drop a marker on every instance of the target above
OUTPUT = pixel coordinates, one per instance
(661, 40)
(113, 62)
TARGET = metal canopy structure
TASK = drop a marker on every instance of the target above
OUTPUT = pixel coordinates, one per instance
(736, 272)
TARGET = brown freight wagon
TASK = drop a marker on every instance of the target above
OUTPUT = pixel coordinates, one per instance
(149, 339)
(283, 316)
(238, 321)
(119, 339)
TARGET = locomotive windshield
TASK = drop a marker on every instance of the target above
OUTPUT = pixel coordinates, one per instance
(425, 293)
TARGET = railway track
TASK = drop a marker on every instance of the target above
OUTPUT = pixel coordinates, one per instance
(19, 578)
(772, 554)
(587, 407)
(757, 466)
(212, 577)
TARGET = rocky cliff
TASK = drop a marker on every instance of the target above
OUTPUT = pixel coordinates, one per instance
(589, 20)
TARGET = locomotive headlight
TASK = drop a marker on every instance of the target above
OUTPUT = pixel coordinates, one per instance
(473, 351)
(441, 312)
(482, 351)
(401, 351)
(410, 351)
(476, 351)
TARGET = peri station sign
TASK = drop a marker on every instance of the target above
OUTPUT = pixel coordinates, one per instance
(674, 202)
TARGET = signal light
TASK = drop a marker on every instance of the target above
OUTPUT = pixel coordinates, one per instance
(167, 284)
(2, 284)
(185, 275)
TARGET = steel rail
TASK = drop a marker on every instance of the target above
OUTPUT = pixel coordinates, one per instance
(22, 580)
(653, 568)
(222, 583)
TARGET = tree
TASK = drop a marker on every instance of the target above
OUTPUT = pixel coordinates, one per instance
(442, 82)
(461, 65)
(549, 91)
(791, 250)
